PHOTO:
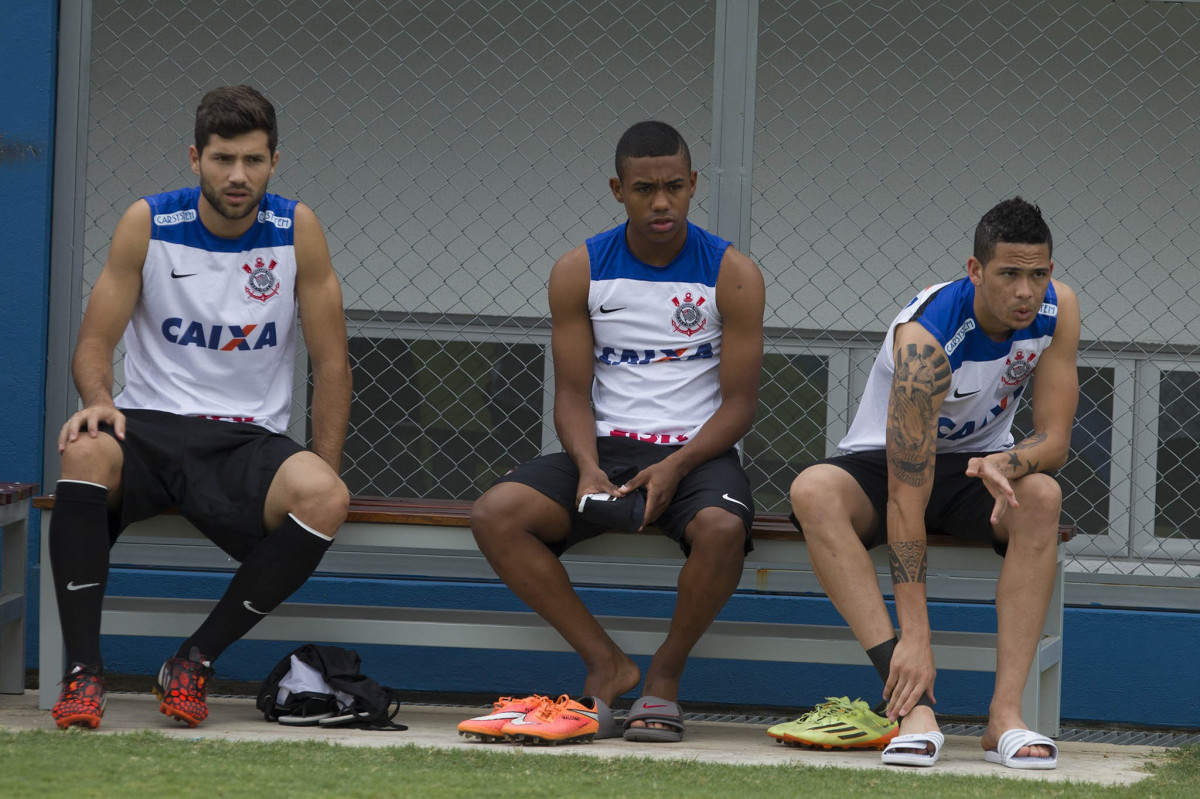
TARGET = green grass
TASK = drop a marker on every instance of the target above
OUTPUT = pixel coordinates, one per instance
(40, 764)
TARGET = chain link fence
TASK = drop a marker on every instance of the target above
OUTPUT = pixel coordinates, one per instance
(453, 150)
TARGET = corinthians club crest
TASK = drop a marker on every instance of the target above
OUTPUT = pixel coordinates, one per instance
(687, 318)
(262, 284)
(1018, 367)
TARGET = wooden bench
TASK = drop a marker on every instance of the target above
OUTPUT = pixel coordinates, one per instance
(431, 539)
(14, 560)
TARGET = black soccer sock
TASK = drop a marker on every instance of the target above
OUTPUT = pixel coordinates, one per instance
(881, 659)
(271, 573)
(79, 565)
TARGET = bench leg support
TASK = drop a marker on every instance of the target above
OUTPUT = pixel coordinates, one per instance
(51, 657)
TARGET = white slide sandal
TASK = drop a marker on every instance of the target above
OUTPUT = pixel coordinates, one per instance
(917, 740)
(1012, 742)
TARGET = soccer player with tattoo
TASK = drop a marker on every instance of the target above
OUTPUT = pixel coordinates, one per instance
(931, 450)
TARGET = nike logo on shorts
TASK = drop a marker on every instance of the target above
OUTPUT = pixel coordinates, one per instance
(735, 501)
(72, 587)
(253, 609)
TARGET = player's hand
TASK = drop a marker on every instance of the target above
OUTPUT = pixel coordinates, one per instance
(660, 482)
(911, 674)
(89, 420)
(997, 485)
(594, 481)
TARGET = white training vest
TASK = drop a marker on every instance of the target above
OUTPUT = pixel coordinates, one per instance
(657, 333)
(213, 332)
(987, 378)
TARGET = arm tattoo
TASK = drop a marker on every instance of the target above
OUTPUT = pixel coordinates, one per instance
(921, 373)
(908, 561)
(1032, 441)
(1021, 468)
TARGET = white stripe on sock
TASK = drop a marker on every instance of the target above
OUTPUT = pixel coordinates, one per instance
(317, 533)
(84, 483)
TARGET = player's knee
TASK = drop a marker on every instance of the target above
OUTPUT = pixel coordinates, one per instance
(95, 460)
(489, 512)
(717, 531)
(1040, 495)
(509, 515)
(337, 498)
(320, 499)
(803, 494)
(815, 502)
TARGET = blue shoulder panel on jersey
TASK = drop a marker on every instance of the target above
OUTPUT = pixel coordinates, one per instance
(175, 218)
(949, 315)
(944, 311)
(698, 262)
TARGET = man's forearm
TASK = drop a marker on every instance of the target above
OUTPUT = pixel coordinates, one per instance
(1038, 453)
(330, 418)
(93, 375)
(727, 426)
(908, 557)
(908, 564)
(576, 427)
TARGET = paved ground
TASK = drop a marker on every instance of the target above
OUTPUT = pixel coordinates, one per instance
(714, 742)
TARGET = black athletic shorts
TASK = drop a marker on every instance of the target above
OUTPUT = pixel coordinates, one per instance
(216, 474)
(959, 506)
(720, 482)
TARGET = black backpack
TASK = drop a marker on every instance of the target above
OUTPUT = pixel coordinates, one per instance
(334, 693)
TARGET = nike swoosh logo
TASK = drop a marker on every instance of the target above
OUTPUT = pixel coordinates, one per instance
(738, 502)
(612, 310)
(72, 587)
(649, 706)
(253, 609)
(521, 722)
(189, 274)
(511, 714)
(959, 395)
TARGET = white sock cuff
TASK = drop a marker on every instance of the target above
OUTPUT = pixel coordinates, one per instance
(82, 483)
(317, 533)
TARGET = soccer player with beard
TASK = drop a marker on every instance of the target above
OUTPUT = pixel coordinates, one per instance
(203, 284)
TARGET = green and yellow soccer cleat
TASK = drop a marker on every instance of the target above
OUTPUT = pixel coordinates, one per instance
(837, 723)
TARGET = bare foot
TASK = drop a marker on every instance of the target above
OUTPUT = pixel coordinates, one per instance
(610, 681)
(920, 719)
(997, 727)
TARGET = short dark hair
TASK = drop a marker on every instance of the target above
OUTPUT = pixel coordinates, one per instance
(1014, 221)
(230, 111)
(650, 139)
